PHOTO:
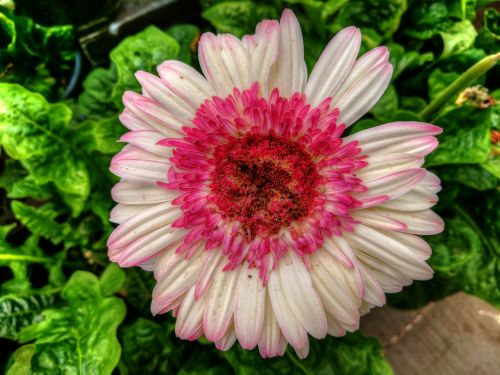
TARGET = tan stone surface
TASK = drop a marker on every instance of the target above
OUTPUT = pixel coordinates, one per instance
(459, 335)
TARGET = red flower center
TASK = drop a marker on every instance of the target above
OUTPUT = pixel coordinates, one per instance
(265, 182)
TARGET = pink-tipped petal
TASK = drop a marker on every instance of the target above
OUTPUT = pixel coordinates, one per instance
(289, 75)
(333, 66)
(363, 94)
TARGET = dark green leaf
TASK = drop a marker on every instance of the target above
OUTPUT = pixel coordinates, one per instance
(112, 280)
(187, 36)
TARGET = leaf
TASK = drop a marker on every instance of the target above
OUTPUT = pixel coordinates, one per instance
(463, 142)
(187, 37)
(387, 105)
(427, 19)
(112, 280)
(381, 16)
(20, 258)
(96, 99)
(41, 221)
(147, 348)
(86, 326)
(142, 51)
(238, 17)
(403, 60)
(492, 22)
(439, 81)
(38, 134)
(458, 38)
(474, 176)
(352, 354)
(18, 311)
(32, 54)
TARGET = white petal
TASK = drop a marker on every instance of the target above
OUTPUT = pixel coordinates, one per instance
(295, 334)
(213, 66)
(228, 340)
(156, 89)
(122, 212)
(301, 295)
(184, 81)
(147, 140)
(190, 317)
(374, 293)
(177, 282)
(137, 226)
(150, 245)
(137, 194)
(363, 94)
(337, 298)
(361, 67)
(249, 309)
(333, 66)
(220, 303)
(135, 104)
(264, 50)
(423, 222)
(289, 72)
(140, 171)
(392, 186)
(215, 257)
(419, 198)
(383, 164)
(383, 246)
(271, 342)
(391, 134)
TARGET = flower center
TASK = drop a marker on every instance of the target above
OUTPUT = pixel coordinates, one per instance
(264, 181)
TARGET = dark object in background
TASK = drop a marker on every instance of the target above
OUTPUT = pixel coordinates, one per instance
(97, 38)
(101, 24)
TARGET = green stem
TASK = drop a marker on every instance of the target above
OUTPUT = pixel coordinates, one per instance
(475, 71)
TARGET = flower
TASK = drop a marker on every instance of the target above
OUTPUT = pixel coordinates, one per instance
(260, 220)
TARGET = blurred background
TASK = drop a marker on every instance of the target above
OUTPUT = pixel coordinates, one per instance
(64, 65)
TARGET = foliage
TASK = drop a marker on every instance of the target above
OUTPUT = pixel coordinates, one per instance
(64, 309)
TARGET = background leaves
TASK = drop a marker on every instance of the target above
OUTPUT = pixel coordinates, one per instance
(55, 184)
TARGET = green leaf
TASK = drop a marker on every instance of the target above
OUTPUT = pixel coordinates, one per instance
(18, 311)
(427, 19)
(142, 51)
(79, 338)
(112, 280)
(38, 134)
(147, 348)
(352, 354)
(32, 54)
(492, 22)
(438, 81)
(458, 38)
(403, 60)
(95, 101)
(387, 105)
(472, 175)
(238, 17)
(463, 141)
(381, 16)
(22, 360)
(41, 221)
(20, 258)
(187, 36)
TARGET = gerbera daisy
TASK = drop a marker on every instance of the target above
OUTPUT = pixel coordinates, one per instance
(261, 221)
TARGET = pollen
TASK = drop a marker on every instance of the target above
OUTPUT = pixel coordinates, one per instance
(265, 182)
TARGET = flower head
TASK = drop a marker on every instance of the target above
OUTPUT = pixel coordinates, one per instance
(261, 221)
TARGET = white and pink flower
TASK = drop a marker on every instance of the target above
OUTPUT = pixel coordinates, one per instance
(261, 222)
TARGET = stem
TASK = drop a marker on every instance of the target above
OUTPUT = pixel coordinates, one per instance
(475, 71)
